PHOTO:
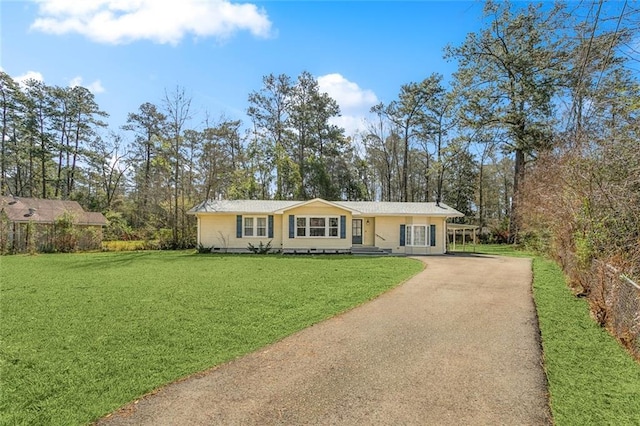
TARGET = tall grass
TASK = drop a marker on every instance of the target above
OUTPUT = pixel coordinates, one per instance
(83, 334)
(131, 245)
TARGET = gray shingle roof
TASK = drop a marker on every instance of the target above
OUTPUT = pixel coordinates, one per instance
(396, 208)
(361, 207)
(242, 206)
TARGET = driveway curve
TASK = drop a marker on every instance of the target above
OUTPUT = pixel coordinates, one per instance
(456, 344)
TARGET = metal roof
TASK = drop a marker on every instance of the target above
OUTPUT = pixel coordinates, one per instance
(360, 208)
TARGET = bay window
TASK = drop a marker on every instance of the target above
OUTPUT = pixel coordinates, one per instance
(416, 235)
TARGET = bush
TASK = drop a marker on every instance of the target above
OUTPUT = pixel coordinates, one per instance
(117, 227)
(66, 236)
(500, 232)
(166, 241)
(261, 249)
(203, 249)
(537, 241)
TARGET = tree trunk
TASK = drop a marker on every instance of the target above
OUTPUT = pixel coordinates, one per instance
(3, 172)
(43, 147)
(481, 212)
(405, 167)
(175, 188)
(72, 173)
(518, 179)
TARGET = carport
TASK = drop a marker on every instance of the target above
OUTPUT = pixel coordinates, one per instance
(467, 231)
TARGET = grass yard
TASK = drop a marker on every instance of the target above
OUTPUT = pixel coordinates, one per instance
(592, 379)
(83, 334)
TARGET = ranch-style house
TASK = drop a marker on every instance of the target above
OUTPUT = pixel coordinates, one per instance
(26, 222)
(320, 226)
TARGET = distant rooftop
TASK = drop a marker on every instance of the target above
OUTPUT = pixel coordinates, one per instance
(38, 210)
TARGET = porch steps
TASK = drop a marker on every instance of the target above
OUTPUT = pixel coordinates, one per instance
(369, 251)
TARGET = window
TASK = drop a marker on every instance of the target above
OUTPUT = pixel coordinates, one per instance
(248, 227)
(419, 235)
(318, 226)
(301, 227)
(432, 235)
(416, 235)
(333, 226)
(255, 226)
(261, 226)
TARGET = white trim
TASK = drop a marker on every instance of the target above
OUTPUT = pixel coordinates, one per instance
(199, 229)
(308, 226)
(318, 200)
(409, 235)
(254, 226)
(404, 214)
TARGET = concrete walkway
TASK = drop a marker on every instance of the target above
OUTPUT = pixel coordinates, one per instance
(457, 344)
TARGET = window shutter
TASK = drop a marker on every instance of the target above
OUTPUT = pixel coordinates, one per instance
(343, 227)
(270, 225)
(432, 235)
(239, 226)
(402, 234)
(292, 226)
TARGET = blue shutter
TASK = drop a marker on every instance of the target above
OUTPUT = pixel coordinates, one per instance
(343, 227)
(432, 235)
(270, 225)
(402, 234)
(292, 226)
(239, 226)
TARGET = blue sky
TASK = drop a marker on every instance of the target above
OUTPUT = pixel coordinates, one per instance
(129, 52)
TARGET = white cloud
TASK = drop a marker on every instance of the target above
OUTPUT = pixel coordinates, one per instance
(161, 21)
(75, 81)
(354, 101)
(29, 75)
(95, 87)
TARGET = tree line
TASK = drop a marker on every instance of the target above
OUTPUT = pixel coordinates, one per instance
(539, 86)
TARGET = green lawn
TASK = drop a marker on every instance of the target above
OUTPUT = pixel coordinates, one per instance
(592, 379)
(83, 334)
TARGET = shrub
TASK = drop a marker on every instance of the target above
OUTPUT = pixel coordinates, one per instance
(166, 241)
(66, 236)
(117, 227)
(203, 249)
(261, 249)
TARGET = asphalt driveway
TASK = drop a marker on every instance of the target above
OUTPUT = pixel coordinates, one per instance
(457, 344)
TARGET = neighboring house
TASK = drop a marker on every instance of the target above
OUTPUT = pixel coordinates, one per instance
(33, 223)
(318, 226)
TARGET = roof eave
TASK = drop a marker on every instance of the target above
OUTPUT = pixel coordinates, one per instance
(319, 200)
(243, 212)
(410, 214)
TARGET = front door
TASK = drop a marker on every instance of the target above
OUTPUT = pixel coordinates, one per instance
(356, 231)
